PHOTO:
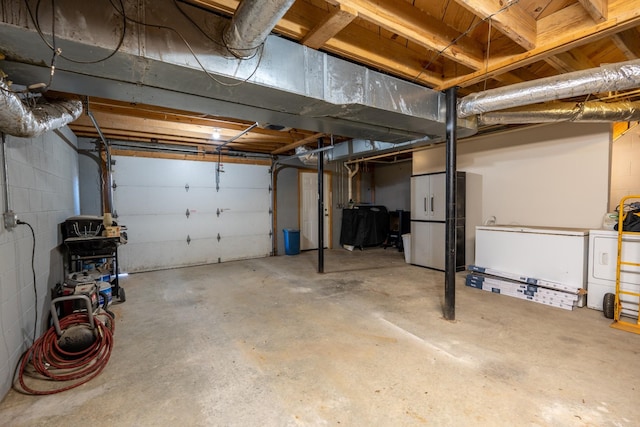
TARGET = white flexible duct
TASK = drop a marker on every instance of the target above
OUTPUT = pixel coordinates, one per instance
(252, 23)
(352, 173)
(19, 120)
(565, 112)
(610, 77)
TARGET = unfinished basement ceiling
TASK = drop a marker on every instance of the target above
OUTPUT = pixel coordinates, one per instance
(476, 45)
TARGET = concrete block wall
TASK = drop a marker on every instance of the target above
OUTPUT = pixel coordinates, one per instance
(43, 191)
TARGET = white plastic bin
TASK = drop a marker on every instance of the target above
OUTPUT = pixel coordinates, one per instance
(406, 245)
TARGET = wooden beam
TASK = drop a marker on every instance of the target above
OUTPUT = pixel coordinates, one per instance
(628, 42)
(598, 9)
(330, 25)
(297, 144)
(513, 21)
(566, 62)
(406, 20)
(557, 38)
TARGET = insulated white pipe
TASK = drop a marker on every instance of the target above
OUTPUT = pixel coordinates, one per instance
(351, 175)
(19, 120)
(251, 24)
(606, 78)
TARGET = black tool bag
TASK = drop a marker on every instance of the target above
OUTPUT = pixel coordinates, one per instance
(630, 221)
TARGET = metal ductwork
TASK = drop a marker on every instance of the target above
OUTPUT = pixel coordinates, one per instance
(251, 24)
(286, 83)
(564, 112)
(606, 78)
(19, 120)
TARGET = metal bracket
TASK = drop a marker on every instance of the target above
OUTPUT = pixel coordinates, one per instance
(186, 187)
(219, 237)
(187, 213)
(270, 189)
(270, 233)
(270, 211)
(114, 185)
(218, 212)
(188, 239)
(115, 214)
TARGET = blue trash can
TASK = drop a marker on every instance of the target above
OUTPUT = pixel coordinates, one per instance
(291, 241)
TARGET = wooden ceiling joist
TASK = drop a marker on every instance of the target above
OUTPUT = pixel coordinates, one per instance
(598, 9)
(330, 25)
(508, 17)
(297, 144)
(419, 27)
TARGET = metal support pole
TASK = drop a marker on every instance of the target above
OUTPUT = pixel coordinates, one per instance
(450, 240)
(320, 206)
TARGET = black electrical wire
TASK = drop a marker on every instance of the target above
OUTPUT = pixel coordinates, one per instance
(224, 44)
(33, 270)
(36, 22)
(186, 43)
(471, 28)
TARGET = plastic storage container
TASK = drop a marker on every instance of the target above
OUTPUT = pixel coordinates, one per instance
(406, 245)
(291, 241)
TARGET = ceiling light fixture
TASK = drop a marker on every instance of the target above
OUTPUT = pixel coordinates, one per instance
(216, 133)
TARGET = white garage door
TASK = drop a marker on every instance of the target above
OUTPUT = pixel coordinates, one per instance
(152, 197)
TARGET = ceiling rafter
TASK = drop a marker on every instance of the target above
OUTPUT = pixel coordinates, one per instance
(402, 18)
(598, 9)
(330, 25)
(297, 144)
(573, 60)
(508, 17)
(628, 42)
(563, 31)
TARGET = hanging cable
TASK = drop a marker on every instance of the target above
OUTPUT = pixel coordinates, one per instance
(33, 271)
(486, 60)
(36, 22)
(454, 41)
(188, 46)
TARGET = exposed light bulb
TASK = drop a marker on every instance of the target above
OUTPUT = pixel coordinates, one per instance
(216, 133)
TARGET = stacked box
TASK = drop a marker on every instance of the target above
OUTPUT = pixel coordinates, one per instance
(531, 289)
(520, 290)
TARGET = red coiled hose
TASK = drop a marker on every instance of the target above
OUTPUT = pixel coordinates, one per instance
(51, 362)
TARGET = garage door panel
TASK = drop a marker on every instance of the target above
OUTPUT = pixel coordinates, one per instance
(155, 228)
(151, 200)
(146, 256)
(244, 176)
(246, 247)
(243, 199)
(149, 172)
(243, 223)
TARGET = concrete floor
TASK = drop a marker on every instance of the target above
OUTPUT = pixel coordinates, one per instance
(269, 342)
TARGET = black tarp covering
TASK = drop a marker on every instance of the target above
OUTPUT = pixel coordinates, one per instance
(364, 226)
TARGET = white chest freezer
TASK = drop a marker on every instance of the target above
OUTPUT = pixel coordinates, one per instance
(550, 253)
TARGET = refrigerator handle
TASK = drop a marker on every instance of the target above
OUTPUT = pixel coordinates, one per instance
(431, 203)
(425, 204)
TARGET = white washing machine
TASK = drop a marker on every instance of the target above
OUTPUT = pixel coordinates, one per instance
(603, 252)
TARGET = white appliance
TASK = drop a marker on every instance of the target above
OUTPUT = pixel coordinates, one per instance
(550, 253)
(603, 253)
